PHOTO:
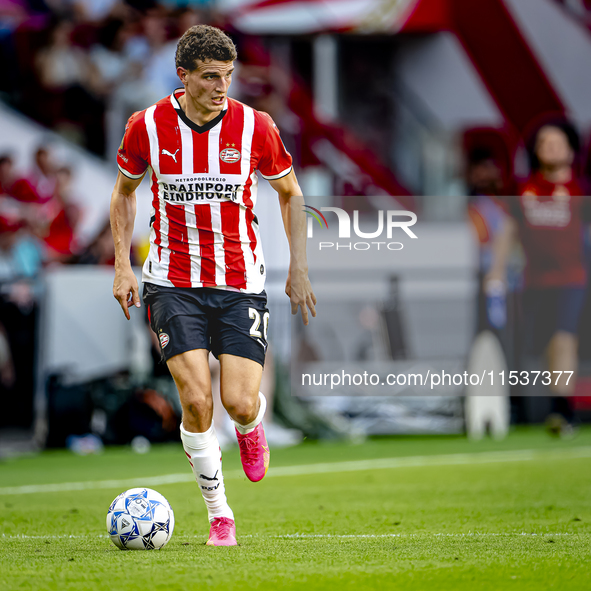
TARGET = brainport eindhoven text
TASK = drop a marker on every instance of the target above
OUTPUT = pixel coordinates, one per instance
(389, 220)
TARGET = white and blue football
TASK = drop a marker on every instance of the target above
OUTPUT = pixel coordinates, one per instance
(140, 519)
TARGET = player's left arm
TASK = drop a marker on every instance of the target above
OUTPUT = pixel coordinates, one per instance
(586, 212)
(298, 287)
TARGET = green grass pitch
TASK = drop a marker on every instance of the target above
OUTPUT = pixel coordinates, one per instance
(432, 513)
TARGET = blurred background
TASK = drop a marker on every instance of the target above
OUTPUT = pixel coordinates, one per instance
(427, 105)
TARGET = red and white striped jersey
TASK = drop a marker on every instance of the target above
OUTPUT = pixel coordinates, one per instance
(204, 232)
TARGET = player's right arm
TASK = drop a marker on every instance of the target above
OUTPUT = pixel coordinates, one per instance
(502, 246)
(123, 206)
(132, 160)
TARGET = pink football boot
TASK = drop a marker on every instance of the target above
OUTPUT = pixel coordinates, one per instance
(254, 453)
(222, 532)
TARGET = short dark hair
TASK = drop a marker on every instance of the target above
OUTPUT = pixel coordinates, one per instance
(479, 154)
(203, 42)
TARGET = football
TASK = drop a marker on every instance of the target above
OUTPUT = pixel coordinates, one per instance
(140, 519)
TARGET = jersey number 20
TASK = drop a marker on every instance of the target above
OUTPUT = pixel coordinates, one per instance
(255, 315)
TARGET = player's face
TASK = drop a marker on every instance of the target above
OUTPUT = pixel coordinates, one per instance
(485, 177)
(552, 147)
(207, 85)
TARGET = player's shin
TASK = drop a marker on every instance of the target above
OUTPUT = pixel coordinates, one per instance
(205, 457)
(254, 450)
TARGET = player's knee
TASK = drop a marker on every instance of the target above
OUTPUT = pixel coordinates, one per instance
(196, 404)
(242, 410)
(565, 340)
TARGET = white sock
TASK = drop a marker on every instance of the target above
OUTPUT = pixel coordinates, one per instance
(205, 458)
(246, 429)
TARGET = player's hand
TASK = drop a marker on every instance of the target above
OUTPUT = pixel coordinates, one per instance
(299, 290)
(126, 290)
(495, 275)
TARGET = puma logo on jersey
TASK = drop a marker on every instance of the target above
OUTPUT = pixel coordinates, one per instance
(167, 153)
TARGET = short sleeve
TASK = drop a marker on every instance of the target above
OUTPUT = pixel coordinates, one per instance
(133, 153)
(275, 161)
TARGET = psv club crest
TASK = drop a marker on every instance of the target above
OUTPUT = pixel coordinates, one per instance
(230, 155)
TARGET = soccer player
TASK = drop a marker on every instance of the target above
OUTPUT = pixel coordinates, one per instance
(549, 217)
(205, 273)
(485, 185)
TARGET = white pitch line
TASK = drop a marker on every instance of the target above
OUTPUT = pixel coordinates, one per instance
(54, 537)
(304, 536)
(415, 535)
(524, 455)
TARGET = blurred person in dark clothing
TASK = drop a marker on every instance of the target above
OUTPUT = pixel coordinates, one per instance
(483, 174)
(485, 185)
(484, 180)
(549, 218)
(20, 263)
(7, 372)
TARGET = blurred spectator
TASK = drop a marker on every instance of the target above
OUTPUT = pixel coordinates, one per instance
(159, 72)
(485, 184)
(7, 176)
(20, 255)
(13, 13)
(111, 63)
(15, 186)
(96, 62)
(93, 10)
(150, 59)
(101, 251)
(266, 89)
(40, 210)
(42, 175)
(7, 376)
(61, 65)
(69, 78)
(42, 203)
(548, 218)
(20, 262)
(483, 175)
(62, 216)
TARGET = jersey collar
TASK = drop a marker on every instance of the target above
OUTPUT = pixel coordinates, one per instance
(198, 128)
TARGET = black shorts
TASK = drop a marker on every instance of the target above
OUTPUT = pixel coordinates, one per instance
(206, 318)
(548, 311)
